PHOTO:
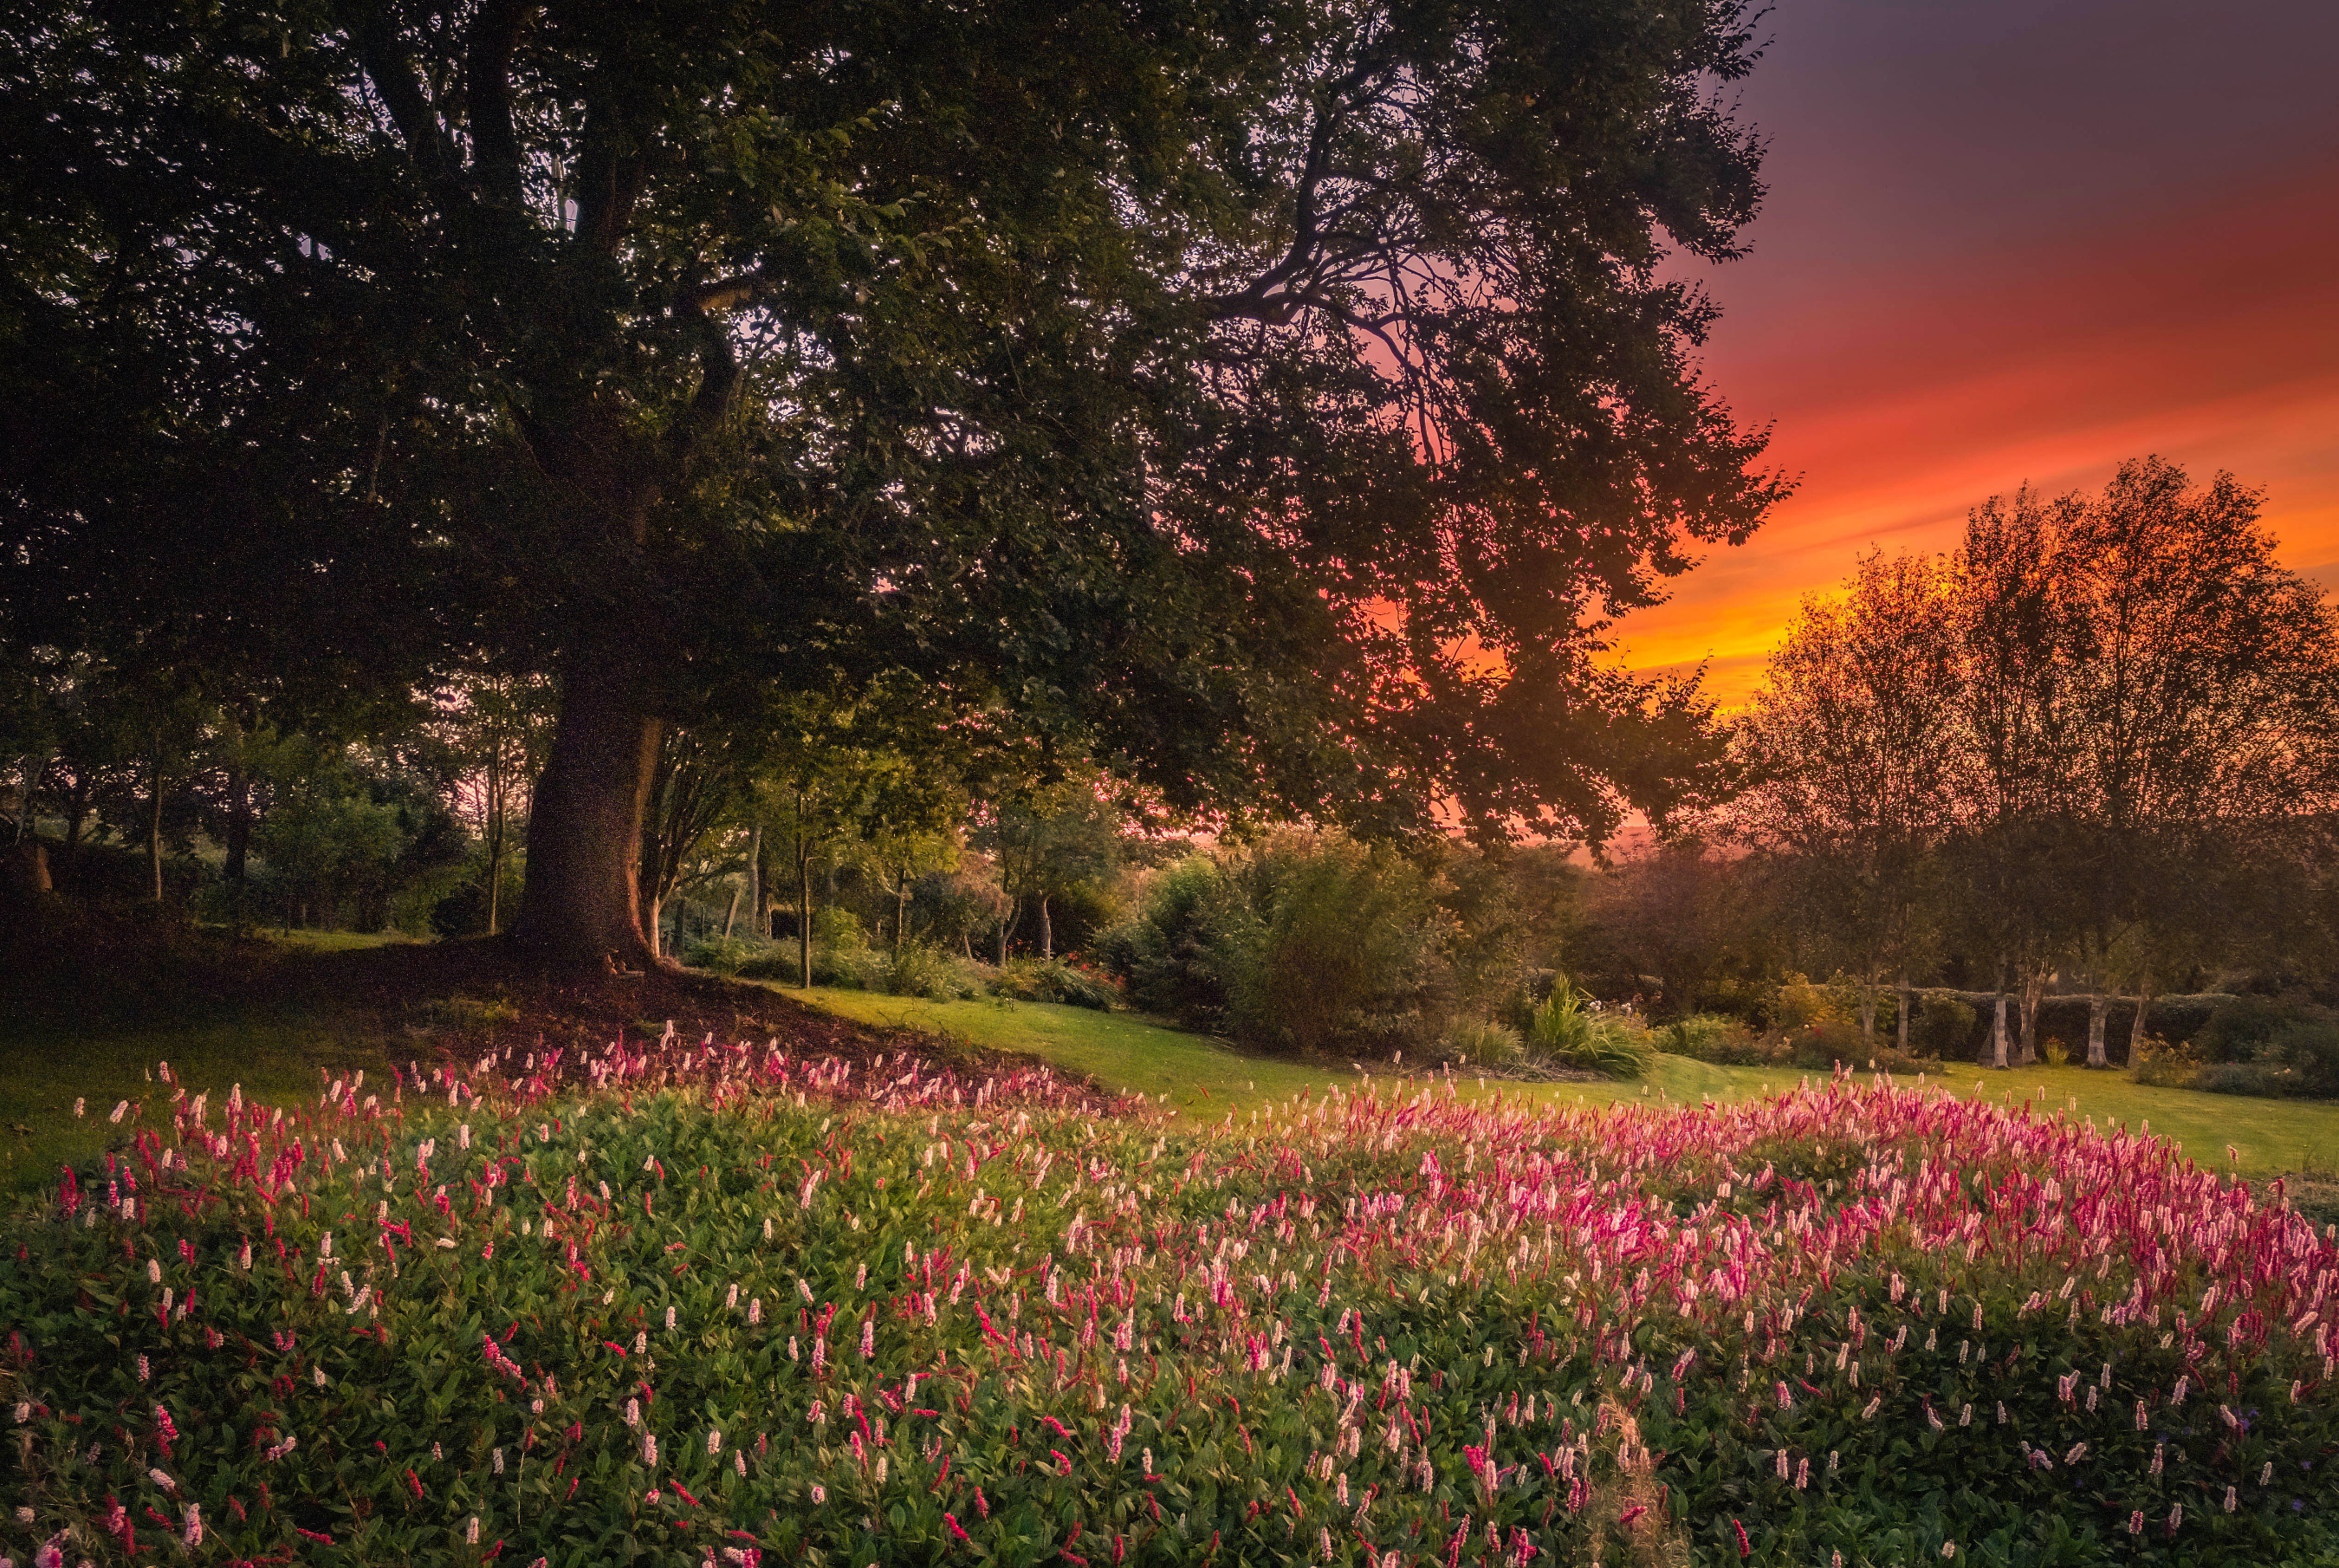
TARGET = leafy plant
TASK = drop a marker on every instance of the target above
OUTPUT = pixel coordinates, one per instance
(797, 1307)
(1482, 1040)
(1563, 1031)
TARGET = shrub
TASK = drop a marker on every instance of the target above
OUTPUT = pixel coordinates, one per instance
(1055, 979)
(1344, 949)
(1481, 1041)
(1183, 956)
(1725, 1042)
(1697, 1035)
(919, 969)
(723, 955)
(1565, 1032)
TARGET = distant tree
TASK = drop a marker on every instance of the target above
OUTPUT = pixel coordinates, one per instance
(1681, 916)
(1849, 749)
(2205, 704)
(698, 781)
(1046, 840)
(2021, 627)
(495, 727)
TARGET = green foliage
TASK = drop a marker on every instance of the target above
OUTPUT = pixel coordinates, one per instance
(1346, 951)
(1482, 1042)
(1564, 1031)
(2278, 1048)
(1716, 1037)
(1943, 1028)
(724, 954)
(1058, 981)
(1183, 955)
(919, 969)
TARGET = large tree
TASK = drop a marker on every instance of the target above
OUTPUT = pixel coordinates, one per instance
(1274, 399)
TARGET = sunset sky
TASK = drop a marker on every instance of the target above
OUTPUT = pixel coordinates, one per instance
(2013, 240)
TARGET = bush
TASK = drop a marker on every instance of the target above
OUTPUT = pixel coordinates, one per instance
(723, 955)
(1565, 1032)
(1344, 952)
(1183, 956)
(2252, 1045)
(1481, 1041)
(919, 969)
(857, 967)
(1055, 979)
(1724, 1041)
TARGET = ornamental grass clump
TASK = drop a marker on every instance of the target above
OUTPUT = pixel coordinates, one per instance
(720, 1302)
(1565, 1032)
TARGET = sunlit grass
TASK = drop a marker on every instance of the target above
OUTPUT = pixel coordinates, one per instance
(1143, 1056)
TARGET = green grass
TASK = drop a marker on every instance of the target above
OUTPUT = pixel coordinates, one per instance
(42, 1073)
(1138, 1055)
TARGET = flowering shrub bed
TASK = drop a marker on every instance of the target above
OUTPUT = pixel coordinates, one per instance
(690, 1304)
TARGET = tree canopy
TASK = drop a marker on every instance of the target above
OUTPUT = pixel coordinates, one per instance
(1271, 400)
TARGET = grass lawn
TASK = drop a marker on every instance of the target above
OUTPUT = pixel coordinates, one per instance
(1138, 1055)
(42, 1073)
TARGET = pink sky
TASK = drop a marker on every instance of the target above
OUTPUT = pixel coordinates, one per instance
(2005, 251)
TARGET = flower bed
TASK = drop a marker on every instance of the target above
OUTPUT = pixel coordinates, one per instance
(691, 1303)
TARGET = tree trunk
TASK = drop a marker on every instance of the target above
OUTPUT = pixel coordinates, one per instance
(239, 839)
(154, 818)
(756, 880)
(1007, 929)
(2096, 1006)
(1998, 1030)
(581, 904)
(2034, 986)
(1046, 932)
(2136, 1028)
(900, 909)
(650, 926)
(1868, 1016)
(1903, 999)
(732, 913)
(30, 773)
(803, 907)
(495, 844)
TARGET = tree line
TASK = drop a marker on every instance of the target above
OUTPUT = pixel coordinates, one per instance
(2099, 740)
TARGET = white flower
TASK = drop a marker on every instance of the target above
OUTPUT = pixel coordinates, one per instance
(471, 1531)
(153, 1271)
(165, 1482)
(714, 1443)
(649, 1449)
(193, 1535)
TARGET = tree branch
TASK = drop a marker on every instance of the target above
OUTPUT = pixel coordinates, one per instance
(400, 85)
(487, 90)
